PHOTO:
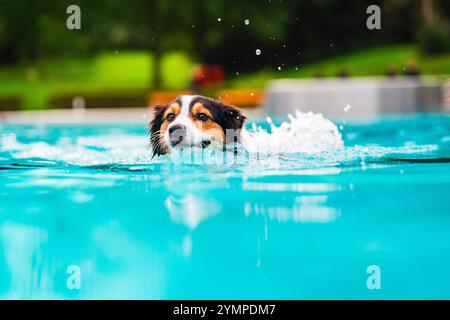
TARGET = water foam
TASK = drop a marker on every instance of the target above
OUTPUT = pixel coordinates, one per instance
(308, 133)
(82, 151)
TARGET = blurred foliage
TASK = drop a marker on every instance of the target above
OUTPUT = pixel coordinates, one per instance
(127, 72)
(367, 62)
(142, 44)
(36, 28)
(104, 73)
(209, 31)
(434, 40)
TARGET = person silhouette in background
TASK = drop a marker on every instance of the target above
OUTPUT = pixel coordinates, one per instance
(392, 71)
(343, 73)
(412, 70)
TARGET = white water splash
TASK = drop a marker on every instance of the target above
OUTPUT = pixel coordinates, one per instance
(82, 151)
(305, 133)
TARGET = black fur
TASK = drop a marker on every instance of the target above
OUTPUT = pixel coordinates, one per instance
(227, 116)
(154, 127)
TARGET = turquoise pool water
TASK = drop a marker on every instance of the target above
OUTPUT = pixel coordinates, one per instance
(90, 199)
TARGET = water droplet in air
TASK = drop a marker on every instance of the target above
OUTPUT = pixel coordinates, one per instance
(219, 19)
(247, 22)
(347, 108)
(279, 68)
(258, 52)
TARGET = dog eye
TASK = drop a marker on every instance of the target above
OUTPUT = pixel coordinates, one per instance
(170, 117)
(202, 117)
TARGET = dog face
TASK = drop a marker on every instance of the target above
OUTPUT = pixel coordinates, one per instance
(194, 121)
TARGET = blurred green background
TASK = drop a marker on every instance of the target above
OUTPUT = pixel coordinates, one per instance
(129, 48)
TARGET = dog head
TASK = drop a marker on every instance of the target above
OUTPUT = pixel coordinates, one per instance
(194, 121)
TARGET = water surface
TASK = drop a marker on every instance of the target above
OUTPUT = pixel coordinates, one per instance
(298, 225)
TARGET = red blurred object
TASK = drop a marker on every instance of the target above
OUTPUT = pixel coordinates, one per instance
(206, 75)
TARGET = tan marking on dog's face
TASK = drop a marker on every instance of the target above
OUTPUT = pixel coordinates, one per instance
(209, 127)
(174, 109)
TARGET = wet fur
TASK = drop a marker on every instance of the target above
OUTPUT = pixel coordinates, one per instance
(224, 115)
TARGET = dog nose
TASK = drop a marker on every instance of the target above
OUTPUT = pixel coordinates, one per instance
(176, 134)
(177, 127)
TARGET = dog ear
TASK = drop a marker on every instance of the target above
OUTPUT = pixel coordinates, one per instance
(231, 119)
(154, 128)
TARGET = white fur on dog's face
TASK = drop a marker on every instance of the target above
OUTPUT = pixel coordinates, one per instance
(193, 136)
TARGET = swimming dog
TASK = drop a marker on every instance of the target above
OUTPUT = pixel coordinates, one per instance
(193, 121)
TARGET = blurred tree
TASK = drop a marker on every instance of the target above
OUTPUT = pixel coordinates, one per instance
(18, 26)
(434, 36)
(429, 12)
(211, 31)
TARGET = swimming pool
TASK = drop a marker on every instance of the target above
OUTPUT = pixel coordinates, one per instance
(301, 226)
